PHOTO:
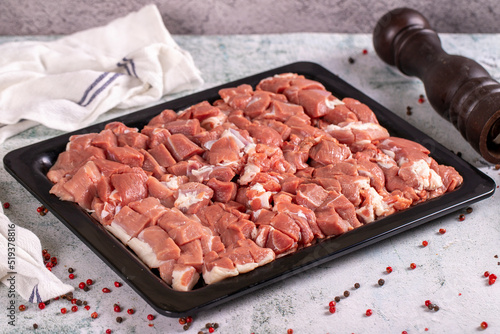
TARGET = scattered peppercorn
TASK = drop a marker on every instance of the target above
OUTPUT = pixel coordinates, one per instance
(35, 326)
(413, 265)
(496, 256)
(201, 332)
(356, 285)
(211, 330)
(436, 308)
(442, 230)
(216, 325)
(427, 303)
(186, 327)
(119, 320)
(74, 308)
(421, 99)
(118, 284)
(332, 309)
(459, 154)
(22, 308)
(94, 315)
(79, 302)
(492, 279)
(86, 288)
(337, 299)
(365, 51)
(289, 331)
(369, 312)
(6, 205)
(425, 243)
(484, 325)
(87, 307)
(81, 285)
(117, 308)
(106, 290)
(70, 270)
(461, 217)
(208, 325)
(84, 302)
(108, 331)
(41, 305)
(351, 60)
(47, 302)
(64, 310)
(71, 276)
(346, 293)
(388, 270)
(497, 166)
(404, 332)
(130, 311)
(73, 301)
(332, 304)
(381, 282)
(486, 274)
(151, 317)
(469, 210)
(189, 319)
(430, 306)
(89, 282)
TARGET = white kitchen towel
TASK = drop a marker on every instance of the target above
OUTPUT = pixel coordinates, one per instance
(21, 265)
(67, 83)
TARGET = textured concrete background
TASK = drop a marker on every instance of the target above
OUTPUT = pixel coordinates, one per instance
(28, 17)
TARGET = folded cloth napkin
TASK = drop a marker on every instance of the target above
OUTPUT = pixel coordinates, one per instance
(67, 83)
(21, 264)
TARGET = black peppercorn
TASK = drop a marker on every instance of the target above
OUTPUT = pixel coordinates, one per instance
(346, 293)
(356, 285)
(381, 282)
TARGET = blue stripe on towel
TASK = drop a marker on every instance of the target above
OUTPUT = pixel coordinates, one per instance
(131, 61)
(103, 87)
(125, 66)
(92, 86)
(34, 294)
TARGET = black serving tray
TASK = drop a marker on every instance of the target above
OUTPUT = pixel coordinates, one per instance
(30, 164)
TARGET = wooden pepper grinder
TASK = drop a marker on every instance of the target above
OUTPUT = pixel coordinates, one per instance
(458, 88)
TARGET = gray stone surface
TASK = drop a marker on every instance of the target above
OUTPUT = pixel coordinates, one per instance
(28, 17)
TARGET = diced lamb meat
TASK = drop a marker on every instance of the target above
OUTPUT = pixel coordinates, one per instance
(184, 277)
(192, 196)
(166, 116)
(223, 187)
(181, 147)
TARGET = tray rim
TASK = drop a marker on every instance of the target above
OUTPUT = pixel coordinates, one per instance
(305, 258)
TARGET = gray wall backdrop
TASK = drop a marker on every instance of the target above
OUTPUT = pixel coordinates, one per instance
(45, 17)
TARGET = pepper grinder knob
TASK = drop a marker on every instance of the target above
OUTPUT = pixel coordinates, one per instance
(458, 88)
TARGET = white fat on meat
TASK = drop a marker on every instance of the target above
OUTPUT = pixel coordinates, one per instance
(202, 173)
(173, 182)
(214, 121)
(249, 173)
(186, 200)
(218, 274)
(118, 232)
(144, 252)
(246, 267)
(263, 195)
(178, 277)
(385, 160)
(426, 177)
(332, 103)
(240, 140)
(376, 207)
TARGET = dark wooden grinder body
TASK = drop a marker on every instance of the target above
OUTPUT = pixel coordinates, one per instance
(458, 88)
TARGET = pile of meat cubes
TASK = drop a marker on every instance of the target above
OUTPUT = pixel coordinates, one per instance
(219, 189)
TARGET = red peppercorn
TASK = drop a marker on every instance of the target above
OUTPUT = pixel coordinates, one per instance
(182, 321)
(130, 311)
(332, 309)
(94, 315)
(117, 308)
(6, 205)
(106, 290)
(211, 330)
(87, 307)
(73, 301)
(332, 303)
(388, 270)
(71, 276)
(41, 305)
(486, 274)
(118, 284)
(22, 308)
(427, 302)
(189, 319)
(442, 230)
(413, 265)
(404, 332)
(64, 310)
(46, 256)
(365, 51)
(108, 331)
(44, 251)
(421, 99)
(425, 243)
(369, 312)
(89, 282)
(81, 285)
(151, 317)
(53, 260)
(492, 279)
(461, 217)
(74, 308)
(39, 209)
(484, 325)
(49, 265)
